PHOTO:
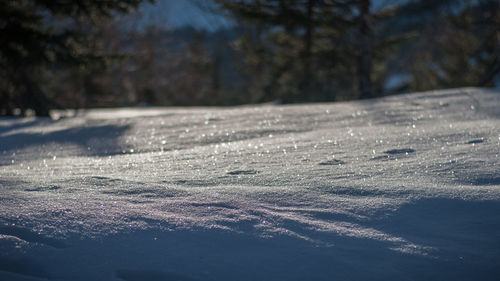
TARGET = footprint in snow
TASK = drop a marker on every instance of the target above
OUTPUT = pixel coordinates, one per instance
(393, 153)
(405, 151)
(476, 141)
(243, 172)
(332, 162)
(43, 188)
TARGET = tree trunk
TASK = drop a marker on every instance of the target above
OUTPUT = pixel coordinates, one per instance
(31, 96)
(6, 107)
(307, 54)
(365, 50)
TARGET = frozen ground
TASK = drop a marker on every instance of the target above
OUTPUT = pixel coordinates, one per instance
(400, 188)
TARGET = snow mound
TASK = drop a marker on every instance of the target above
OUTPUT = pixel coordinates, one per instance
(403, 187)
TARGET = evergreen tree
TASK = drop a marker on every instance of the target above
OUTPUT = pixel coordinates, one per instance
(457, 43)
(38, 35)
(315, 50)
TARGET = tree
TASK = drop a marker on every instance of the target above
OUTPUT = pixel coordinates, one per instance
(457, 43)
(283, 44)
(39, 35)
(316, 50)
(365, 49)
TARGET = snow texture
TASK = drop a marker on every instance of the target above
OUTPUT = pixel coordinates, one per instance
(401, 188)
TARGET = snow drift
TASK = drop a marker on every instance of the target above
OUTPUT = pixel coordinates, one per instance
(401, 188)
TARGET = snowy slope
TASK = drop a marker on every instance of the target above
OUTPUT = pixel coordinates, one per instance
(400, 188)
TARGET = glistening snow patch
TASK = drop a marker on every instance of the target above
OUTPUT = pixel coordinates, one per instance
(400, 188)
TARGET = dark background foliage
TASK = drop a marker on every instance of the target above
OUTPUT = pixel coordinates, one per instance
(80, 54)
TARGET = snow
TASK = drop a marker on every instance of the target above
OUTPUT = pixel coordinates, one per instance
(400, 188)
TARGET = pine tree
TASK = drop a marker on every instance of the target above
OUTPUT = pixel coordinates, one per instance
(317, 50)
(284, 45)
(37, 35)
(457, 43)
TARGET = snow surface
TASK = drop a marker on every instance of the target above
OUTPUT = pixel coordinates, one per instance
(400, 188)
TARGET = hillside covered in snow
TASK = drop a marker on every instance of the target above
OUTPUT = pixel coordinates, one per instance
(400, 188)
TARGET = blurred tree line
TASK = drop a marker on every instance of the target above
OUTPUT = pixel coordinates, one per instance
(80, 54)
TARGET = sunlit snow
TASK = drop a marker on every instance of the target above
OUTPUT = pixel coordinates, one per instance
(400, 188)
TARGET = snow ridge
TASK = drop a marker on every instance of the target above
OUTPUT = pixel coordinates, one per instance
(396, 188)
